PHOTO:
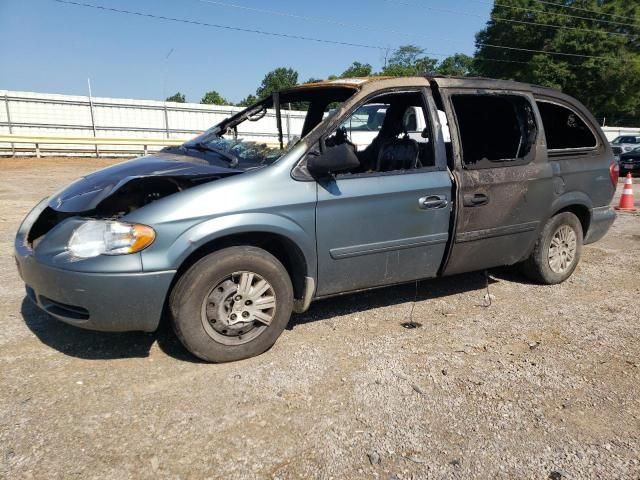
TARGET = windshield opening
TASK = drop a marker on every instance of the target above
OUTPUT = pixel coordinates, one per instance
(263, 132)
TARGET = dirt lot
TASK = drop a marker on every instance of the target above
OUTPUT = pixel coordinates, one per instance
(544, 383)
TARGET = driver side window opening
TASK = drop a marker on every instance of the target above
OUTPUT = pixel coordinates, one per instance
(390, 132)
(494, 130)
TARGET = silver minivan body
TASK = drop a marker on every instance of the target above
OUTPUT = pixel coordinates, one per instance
(335, 234)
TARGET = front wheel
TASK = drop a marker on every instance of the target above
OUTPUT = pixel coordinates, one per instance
(557, 250)
(232, 304)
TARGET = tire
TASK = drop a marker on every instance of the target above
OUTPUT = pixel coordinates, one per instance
(205, 299)
(548, 269)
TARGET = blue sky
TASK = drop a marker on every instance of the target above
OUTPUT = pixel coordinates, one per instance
(52, 47)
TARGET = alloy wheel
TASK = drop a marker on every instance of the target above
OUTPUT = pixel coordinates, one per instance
(562, 250)
(238, 308)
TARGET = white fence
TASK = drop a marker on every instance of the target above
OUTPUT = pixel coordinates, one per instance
(43, 114)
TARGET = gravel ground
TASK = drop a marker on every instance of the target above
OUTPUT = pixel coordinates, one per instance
(541, 384)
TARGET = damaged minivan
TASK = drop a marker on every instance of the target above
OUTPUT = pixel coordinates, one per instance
(385, 181)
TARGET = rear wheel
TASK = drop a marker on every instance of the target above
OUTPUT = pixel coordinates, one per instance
(557, 251)
(232, 304)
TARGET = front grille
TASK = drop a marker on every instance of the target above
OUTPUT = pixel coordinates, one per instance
(617, 150)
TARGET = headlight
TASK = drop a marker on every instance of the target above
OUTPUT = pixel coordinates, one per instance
(108, 237)
(628, 149)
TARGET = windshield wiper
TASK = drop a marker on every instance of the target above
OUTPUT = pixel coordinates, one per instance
(203, 147)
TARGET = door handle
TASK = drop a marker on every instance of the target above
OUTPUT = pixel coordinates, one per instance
(475, 199)
(433, 201)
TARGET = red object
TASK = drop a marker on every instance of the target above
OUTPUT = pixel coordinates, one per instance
(626, 200)
(614, 173)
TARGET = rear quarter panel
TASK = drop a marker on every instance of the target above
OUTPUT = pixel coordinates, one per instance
(580, 174)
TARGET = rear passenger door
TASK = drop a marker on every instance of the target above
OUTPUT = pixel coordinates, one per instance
(505, 184)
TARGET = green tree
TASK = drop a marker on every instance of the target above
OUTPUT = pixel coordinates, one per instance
(607, 81)
(407, 61)
(457, 65)
(247, 101)
(177, 97)
(277, 79)
(357, 69)
(214, 98)
(313, 80)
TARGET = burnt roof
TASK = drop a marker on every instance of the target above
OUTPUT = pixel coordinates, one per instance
(441, 80)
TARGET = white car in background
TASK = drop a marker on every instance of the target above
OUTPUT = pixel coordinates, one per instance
(365, 124)
(623, 144)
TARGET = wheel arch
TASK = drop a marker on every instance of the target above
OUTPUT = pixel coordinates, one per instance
(283, 248)
(285, 239)
(577, 203)
(583, 214)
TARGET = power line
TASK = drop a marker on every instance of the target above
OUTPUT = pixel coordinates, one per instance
(545, 2)
(509, 20)
(368, 28)
(225, 27)
(532, 50)
(536, 10)
(299, 17)
(246, 30)
(312, 39)
(330, 21)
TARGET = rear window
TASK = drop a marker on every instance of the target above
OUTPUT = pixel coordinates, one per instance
(564, 128)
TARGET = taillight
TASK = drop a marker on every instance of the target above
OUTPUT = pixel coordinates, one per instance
(614, 173)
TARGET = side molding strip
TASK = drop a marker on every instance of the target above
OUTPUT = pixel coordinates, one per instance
(378, 247)
(496, 232)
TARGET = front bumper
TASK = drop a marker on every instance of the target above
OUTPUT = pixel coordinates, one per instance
(601, 220)
(110, 302)
(111, 294)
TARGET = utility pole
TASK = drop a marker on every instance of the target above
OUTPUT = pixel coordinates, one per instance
(93, 119)
(164, 93)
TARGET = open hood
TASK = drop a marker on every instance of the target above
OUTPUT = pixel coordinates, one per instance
(139, 180)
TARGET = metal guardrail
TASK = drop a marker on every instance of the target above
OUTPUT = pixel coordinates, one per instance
(38, 140)
(40, 143)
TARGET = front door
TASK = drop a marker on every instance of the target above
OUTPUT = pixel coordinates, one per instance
(505, 181)
(386, 222)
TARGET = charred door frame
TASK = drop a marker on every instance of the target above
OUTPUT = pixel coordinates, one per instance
(528, 228)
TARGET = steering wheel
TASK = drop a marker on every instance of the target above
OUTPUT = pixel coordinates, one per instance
(341, 135)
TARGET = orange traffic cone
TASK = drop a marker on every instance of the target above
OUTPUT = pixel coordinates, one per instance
(626, 200)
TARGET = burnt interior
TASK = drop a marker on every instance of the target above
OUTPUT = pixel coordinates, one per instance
(494, 128)
(392, 117)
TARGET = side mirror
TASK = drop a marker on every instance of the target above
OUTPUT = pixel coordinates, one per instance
(337, 158)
